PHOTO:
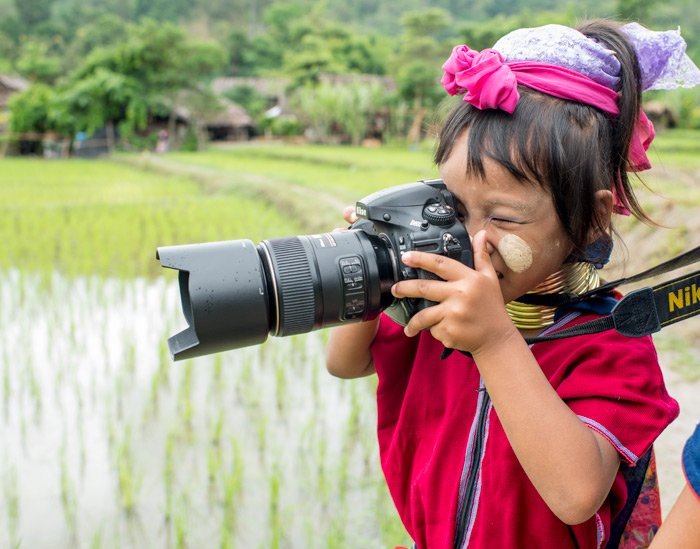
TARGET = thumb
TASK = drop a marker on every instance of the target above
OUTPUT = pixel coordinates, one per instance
(482, 257)
(349, 214)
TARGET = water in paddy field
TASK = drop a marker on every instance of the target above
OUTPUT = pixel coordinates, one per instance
(108, 443)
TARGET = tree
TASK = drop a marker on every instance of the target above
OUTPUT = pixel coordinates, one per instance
(32, 13)
(31, 109)
(154, 65)
(417, 64)
(106, 30)
(37, 62)
(635, 10)
(126, 83)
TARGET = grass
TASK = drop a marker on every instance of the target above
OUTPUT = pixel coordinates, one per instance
(350, 172)
(79, 223)
(679, 148)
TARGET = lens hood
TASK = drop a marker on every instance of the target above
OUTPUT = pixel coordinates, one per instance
(223, 291)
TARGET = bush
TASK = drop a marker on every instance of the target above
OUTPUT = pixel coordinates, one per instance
(286, 126)
(191, 142)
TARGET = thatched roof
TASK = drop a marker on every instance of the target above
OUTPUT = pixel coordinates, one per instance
(232, 116)
(269, 87)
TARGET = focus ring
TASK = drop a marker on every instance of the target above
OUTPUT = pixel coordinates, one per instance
(295, 285)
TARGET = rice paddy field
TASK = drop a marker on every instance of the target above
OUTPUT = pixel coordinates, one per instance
(108, 443)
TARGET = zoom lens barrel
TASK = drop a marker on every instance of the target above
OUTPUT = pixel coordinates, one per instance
(234, 293)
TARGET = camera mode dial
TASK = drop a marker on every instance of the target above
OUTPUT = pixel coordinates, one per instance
(439, 214)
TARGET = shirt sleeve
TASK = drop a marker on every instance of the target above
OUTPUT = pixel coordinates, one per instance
(691, 461)
(613, 384)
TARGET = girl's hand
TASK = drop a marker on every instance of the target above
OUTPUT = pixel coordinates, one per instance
(470, 314)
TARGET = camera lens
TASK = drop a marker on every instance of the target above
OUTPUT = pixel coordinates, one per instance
(234, 293)
(224, 295)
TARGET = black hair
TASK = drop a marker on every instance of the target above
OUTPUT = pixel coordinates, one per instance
(571, 148)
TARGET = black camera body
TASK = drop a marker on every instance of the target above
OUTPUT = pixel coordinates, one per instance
(234, 293)
(418, 216)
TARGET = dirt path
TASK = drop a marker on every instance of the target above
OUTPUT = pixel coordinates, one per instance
(670, 444)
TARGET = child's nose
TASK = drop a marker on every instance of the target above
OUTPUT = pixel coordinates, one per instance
(475, 225)
(472, 229)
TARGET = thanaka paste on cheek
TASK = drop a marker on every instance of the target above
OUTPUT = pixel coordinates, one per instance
(515, 252)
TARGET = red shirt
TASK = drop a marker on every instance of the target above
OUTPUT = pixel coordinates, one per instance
(444, 452)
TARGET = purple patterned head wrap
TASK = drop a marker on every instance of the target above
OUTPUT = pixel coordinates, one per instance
(662, 59)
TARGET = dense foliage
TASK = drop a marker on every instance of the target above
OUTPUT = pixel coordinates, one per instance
(103, 63)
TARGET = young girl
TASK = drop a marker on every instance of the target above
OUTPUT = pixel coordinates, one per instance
(517, 445)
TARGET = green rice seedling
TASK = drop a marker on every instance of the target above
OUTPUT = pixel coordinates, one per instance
(261, 424)
(96, 541)
(164, 364)
(280, 386)
(352, 428)
(217, 378)
(298, 350)
(185, 403)
(180, 523)
(79, 400)
(232, 489)
(110, 423)
(35, 392)
(169, 474)
(276, 531)
(6, 388)
(315, 373)
(82, 447)
(129, 362)
(217, 429)
(69, 499)
(127, 481)
(245, 377)
(342, 474)
(322, 480)
(335, 534)
(390, 527)
(213, 463)
(151, 409)
(23, 429)
(12, 509)
(226, 537)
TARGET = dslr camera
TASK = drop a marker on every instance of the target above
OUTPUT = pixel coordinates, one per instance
(235, 293)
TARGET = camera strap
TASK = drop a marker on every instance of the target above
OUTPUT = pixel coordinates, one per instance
(639, 313)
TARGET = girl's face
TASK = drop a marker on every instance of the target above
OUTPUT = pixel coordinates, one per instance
(526, 240)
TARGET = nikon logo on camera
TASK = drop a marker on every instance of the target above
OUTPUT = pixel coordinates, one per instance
(683, 297)
(360, 211)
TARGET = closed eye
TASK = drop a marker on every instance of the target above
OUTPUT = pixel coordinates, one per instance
(504, 220)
